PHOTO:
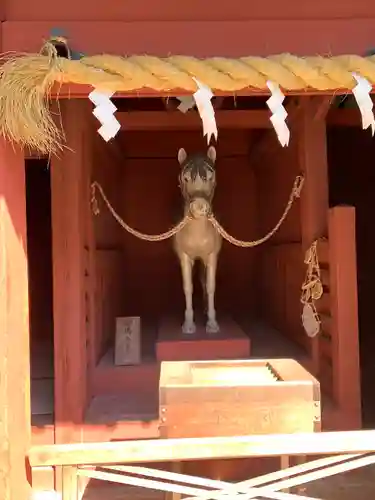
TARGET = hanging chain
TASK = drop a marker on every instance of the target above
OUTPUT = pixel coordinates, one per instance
(296, 192)
(142, 236)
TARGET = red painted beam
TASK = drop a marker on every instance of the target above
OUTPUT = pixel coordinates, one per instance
(225, 119)
(170, 10)
(175, 120)
(72, 91)
(199, 38)
(122, 38)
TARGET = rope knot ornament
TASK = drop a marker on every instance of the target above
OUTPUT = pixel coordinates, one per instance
(312, 290)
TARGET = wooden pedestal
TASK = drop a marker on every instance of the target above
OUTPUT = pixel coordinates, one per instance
(172, 345)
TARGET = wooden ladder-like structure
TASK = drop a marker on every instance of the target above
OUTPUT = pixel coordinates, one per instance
(347, 450)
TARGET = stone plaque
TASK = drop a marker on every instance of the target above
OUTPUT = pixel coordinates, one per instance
(128, 341)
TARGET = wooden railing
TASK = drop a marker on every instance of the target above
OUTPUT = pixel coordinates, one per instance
(352, 449)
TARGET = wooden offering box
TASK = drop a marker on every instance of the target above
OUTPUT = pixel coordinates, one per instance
(228, 398)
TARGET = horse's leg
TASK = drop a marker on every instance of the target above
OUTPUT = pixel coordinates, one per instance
(203, 284)
(212, 325)
(187, 281)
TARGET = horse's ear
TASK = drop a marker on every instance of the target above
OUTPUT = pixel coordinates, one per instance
(211, 153)
(181, 156)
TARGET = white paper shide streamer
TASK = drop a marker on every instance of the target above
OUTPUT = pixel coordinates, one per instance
(104, 112)
(202, 99)
(206, 111)
(279, 113)
(361, 94)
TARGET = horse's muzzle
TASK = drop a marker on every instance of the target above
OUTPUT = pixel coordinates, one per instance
(199, 207)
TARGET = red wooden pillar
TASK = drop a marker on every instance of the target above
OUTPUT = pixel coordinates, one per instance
(70, 198)
(15, 425)
(312, 155)
(344, 306)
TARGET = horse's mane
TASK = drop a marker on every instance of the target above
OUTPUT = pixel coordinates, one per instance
(197, 164)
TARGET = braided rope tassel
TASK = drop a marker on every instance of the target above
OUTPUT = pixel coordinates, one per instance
(312, 290)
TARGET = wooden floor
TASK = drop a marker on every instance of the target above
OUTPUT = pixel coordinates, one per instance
(141, 403)
(113, 416)
(265, 342)
(41, 383)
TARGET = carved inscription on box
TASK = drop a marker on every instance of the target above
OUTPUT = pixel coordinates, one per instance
(128, 341)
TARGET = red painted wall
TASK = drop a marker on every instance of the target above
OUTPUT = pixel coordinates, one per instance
(152, 202)
(148, 198)
(194, 10)
(281, 270)
(250, 198)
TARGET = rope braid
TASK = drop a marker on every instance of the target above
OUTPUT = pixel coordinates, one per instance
(26, 81)
(295, 193)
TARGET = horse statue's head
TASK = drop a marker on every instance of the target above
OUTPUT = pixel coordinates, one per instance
(198, 180)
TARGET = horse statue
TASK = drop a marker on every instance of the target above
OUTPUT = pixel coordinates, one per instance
(198, 240)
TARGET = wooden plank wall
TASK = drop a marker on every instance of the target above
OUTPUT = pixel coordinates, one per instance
(281, 271)
(152, 202)
(338, 342)
(107, 246)
(324, 308)
(344, 311)
(70, 240)
(134, 277)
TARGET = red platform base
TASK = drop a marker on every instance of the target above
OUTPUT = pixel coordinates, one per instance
(172, 345)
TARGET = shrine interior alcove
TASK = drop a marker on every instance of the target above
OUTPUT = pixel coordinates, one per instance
(258, 288)
(352, 182)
